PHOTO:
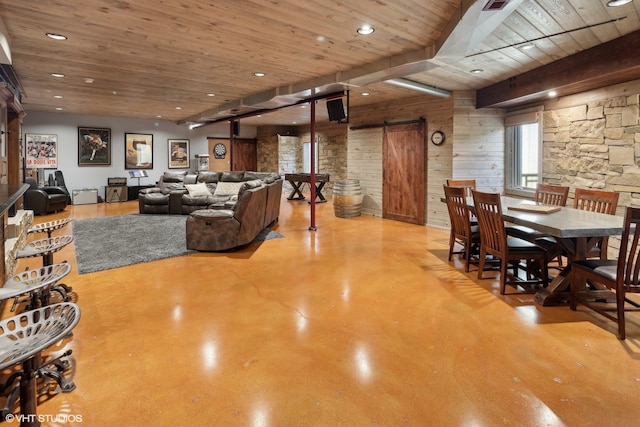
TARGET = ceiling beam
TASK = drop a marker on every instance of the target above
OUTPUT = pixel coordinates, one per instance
(607, 64)
(468, 27)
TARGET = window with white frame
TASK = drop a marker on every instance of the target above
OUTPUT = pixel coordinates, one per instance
(523, 157)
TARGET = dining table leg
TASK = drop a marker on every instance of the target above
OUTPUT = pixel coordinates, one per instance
(558, 291)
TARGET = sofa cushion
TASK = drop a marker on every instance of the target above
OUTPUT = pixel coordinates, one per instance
(155, 199)
(247, 185)
(174, 176)
(208, 177)
(203, 201)
(211, 213)
(191, 178)
(168, 187)
(250, 175)
(232, 176)
(228, 188)
(196, 190)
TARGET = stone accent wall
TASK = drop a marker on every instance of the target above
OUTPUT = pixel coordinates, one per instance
(595, 145)
(332, 151)
(592, 140)
(268, 154)
(16, 238)
(290, 152)
(268, 146)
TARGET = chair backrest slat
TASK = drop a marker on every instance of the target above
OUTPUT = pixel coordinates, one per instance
(629, 256)
(492, 231)
(596, 200)
(467, 184)
(552, 194)
(458, 210)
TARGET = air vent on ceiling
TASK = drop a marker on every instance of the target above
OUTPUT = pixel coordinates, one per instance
(495, 4)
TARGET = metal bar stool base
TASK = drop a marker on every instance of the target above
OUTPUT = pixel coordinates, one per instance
(23, 338)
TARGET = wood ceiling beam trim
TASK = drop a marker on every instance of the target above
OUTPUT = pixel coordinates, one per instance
(609, 63)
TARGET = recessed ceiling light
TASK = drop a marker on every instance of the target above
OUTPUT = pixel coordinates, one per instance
(58, 96)
(88, 80)
(211, 94)
(56, 36)
(259, 74)
(477, 71)
(365, 30)
(365, 94)
(320, 39)
(57, 75)
(178, 108)
(58, 108)
(526, 46)
(614, 3)
(158, 116)
(552, 94)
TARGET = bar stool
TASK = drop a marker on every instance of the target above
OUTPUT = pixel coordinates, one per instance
(22, 339)
(46, 248)
(34, 284)
(49, 226)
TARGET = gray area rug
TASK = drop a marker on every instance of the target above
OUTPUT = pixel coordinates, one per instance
(117, 241)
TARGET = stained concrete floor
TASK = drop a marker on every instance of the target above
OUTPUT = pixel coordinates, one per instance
(362, 322)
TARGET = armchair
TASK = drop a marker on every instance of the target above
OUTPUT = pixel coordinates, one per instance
(44, 200)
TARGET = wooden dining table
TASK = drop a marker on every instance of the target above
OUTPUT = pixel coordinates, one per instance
(576, 230)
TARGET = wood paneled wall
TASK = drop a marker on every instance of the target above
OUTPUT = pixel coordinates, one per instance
(474, 147)
(364, 162)
(365, 150)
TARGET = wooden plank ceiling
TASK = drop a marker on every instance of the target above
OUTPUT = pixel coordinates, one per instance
(163, 58)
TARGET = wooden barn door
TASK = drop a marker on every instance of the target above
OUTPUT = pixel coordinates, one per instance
(245, 155)
(403, 173)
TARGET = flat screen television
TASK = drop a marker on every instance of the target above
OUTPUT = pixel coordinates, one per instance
(138, 173)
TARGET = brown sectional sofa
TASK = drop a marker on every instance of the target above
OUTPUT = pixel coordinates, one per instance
(222, 229)
(226, 209)
(171, 194)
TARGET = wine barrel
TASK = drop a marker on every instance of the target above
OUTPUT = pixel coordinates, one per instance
(347, 198)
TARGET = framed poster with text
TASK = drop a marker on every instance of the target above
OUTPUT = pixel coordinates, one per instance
(41, 151)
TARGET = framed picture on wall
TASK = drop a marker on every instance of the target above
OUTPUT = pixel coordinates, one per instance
(42, 151)
(94, 146)
(178, 154)
(138, 151)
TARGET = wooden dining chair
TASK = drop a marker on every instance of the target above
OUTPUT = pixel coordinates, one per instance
(621, 275)
(547, 194)
(597, 201)
(508, 250)
(462, 232)
(467, 184)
